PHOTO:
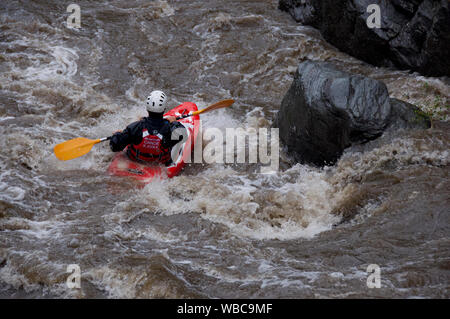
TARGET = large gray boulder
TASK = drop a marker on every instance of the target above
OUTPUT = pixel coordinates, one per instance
(327, 110)
(414, 34)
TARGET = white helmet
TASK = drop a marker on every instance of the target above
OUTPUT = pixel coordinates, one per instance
(156, 102)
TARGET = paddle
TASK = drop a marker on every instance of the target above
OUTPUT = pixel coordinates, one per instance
(215, 106)
(75, 147)
(80, 146)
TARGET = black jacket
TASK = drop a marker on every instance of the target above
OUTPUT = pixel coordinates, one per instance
(155, 124)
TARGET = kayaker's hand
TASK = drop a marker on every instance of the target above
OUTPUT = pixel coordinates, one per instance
(171, 118)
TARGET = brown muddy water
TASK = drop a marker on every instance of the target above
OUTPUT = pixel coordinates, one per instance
(217, 230)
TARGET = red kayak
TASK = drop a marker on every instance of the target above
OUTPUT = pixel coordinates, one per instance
(123, 166)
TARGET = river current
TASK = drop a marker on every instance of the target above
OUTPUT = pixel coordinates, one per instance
(216, 230)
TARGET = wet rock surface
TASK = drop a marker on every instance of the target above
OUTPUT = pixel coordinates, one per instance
(327, 110)
(414, 34)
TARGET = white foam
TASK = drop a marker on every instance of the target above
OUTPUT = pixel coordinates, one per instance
(13, 193)
(298, 209)
(148, 233)
(63, 65)
(4, 118)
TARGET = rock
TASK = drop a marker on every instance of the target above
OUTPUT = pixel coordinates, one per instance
(408, 116)
(414, 34)
(327, 110)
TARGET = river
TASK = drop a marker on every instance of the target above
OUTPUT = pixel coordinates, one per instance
(217, 230)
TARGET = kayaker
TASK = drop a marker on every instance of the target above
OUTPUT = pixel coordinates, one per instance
(150, 139)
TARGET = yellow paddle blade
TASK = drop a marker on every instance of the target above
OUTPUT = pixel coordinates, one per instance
(215, 106)
(74, 148)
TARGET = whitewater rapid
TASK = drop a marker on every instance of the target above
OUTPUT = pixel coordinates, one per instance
(217, 230)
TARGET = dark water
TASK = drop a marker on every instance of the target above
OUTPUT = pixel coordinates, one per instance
(216, 230)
